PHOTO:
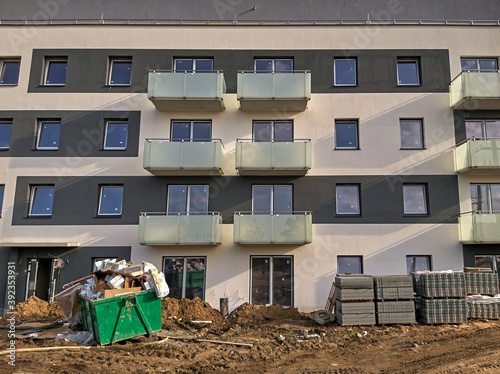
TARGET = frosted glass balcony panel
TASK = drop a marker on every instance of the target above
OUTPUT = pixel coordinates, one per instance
(476, 91)
(479, 228)
(478, 156)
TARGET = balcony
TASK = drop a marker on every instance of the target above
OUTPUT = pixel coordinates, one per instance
(187, 92)
(474, 90)
(180, 229)
(477, 156)
(273, 158)
(272, 228)
(167, 157)
(269, 92)
(479, 228)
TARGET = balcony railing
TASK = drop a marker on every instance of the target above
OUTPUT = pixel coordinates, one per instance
(273, 158)
(476, 90)
(272, 228)
(479, 228)
(167, 157)
(274, 91)
(180, 229)
(478, 155)
(187, 91)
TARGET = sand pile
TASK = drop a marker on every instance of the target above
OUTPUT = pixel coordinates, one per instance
(35, 308)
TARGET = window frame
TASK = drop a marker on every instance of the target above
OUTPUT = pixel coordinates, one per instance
(272, 201)
(3, 62)
(99, 206)
(484, 128)
(273, 131)
(2, 197)
(32, 197)
(407, 60)
(106, 132)
(111, 62)
(11, 124)
(193, 65)
(357, 257)
(48, 63)
(424, 189)
(337, 199)
(489, 198)
(191, 131)
(478, 64)
(184, 273)
(421, 129)
(39, 132)
(355, 84)
(412, 265)
(271, 278)
(336, 129)
(188, 209)
(273, 63)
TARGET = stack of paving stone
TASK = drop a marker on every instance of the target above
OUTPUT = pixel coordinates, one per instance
(482, 300)
(394, 299)
(354, 299)
(440, 297)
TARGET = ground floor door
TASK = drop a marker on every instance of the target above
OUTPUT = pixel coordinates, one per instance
(271, 280)
(42, 277)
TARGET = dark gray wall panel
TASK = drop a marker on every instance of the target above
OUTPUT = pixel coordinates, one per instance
(244, 10)
(4, 259)
(78, 262)
(472, 250)
(460, 116)
(381, 197)
(82, 134)
(87, 69)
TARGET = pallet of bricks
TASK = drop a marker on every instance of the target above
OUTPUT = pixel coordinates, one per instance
(354, 299)
(440, 297)
(483, 299)
(394, 299)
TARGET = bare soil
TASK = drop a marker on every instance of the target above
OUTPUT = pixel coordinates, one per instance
(277, 346)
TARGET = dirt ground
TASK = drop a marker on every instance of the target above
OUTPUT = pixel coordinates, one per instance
(274, 334)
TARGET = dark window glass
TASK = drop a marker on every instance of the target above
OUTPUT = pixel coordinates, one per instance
(273, 65)
(349, 264)
(9, 74)
(414, 199)
(2, 190)
(346, 135)
(345, 72)
(417, 263)
(185, 276)
(120, 72)
(110, 203)
(41, 201)
(408, 74)
(48, 135)
(56, 72)
(198, 131)
(116, 135)
(411, 134)
(272, 280)
(5, 135)
(202, 131)
(348, 199)
(187, 199)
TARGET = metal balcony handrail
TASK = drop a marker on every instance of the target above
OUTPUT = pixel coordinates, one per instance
(273, 213)
(273, 71)
(480, 212)
(474, 138)
(273, 141)
(209, 213)
(475, 71)
(195, 140)
(185, 71)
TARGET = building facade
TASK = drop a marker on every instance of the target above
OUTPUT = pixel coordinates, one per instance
(248, 151)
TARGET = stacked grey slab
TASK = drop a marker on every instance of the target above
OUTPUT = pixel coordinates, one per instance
(440, 297)
(481, 289)
(394, 299)
(354, 299)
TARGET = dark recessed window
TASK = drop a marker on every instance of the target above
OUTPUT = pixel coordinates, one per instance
(346, 135)
(276, 65)
(115, 137)
(415, 199)
(193, 65)
(347, 199)
(110, 201)
(412, 134)
(408, 72)
(41, 201)
(417, 263)
(48, 135)
(55, 71)
(196, 131)
(483, 129)
(273, 131)
(9, 72)
(479, 64)
(120, 71)
(5, 135)
(344, 72)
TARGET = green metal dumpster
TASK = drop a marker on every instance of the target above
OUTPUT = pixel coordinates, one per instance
(121, 317)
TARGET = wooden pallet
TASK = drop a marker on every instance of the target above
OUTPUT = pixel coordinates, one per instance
(330, 302)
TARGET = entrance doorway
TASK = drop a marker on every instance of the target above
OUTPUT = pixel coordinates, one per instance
(42, 278)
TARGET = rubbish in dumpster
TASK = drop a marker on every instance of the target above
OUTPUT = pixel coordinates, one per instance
(159, 284)
(68, 302)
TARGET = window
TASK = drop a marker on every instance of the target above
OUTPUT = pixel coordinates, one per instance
(482, 129)
(41, 201)
(185, 276)
(55, 71)
(271, 278)
(110, 201)
(9, 72)
(346, 135)
(414, 199)
(5, 135)
(417, 263)
(272, 199)
(273, 65)
(273, 131)
(485, 198)
(479, 64)
(193, 65)
(2, 190)
(487, 262)
(120, 71)
(344, 72)
(347, 201)
(48, 135)
(408, 72)
(187, 199)
(196, 131)
(115, 137)
(412, 134)
(350, 264)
